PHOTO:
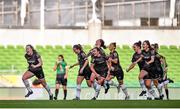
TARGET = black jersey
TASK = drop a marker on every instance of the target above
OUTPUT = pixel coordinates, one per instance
(147, 56)
(135, 57)
(99, 63)
(114, 55)
(81, 58)
(157, 60)
(33, 59)
(157, 64)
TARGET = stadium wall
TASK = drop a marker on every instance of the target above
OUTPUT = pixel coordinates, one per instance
(74, 36)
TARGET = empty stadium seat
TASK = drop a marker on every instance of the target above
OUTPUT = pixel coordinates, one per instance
(163, 47)
(50, 53)
(125, 47)
(173, 47)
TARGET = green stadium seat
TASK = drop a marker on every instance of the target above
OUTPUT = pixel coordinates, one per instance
(163, 47)
(48, 47)
(57, 47)
(39, 47)
(20, 47)
(87, 47)
(10, 47)
(2, 47)
(68, 47)
(125, 47)
(173, 47)
(49, 55)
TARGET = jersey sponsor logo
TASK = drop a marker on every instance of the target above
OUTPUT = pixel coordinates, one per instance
(31, 61)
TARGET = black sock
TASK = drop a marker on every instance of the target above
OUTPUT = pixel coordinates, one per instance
(56, 92)
(65, 94)
(167, 93)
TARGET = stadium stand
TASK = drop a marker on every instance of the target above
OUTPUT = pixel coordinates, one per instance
(12, 62)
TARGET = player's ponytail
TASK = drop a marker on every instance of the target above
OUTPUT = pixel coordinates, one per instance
(80, 47)
(138, 44)
(102, 43)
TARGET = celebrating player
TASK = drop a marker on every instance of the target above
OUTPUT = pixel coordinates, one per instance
(84, 69)
(35, 68)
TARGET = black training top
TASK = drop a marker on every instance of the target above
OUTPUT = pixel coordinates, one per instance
(147, 56)
(33, 59)
(114, 55)
(99, 63)
(82, 58)
(135, 57)
(157, 60)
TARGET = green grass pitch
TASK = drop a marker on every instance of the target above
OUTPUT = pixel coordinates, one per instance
(90, 104)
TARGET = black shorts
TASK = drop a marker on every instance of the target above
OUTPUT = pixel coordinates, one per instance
(38, 73)
(156, 73)
(152, 72)
(86, 73)
(118, 74)
(61, 80)
(102, 73)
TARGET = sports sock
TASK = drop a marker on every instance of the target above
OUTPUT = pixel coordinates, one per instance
(26, 83)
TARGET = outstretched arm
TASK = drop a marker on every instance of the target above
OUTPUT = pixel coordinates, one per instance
(74, 65)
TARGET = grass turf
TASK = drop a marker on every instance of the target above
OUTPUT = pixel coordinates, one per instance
(89, 104)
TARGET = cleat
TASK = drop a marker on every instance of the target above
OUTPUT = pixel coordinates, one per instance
(161, 97)
(106, 88)
(149, 98)
(170, 80)
(156, 98)
(77, 98)
(127, 97)
(29, 93)
(94, 98)
(55, 98)
(142, 93)
(51, 97)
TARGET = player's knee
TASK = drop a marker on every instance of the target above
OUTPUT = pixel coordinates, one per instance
(43, 82)
(23, 78)
(148, 86)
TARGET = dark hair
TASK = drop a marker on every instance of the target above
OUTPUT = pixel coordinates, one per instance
(102, 43)
(138, 44)
(114, 44)
(148, 43)
(156, 46)
(62, 57)
(78, 46)
(34, 51)
(98, 49)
